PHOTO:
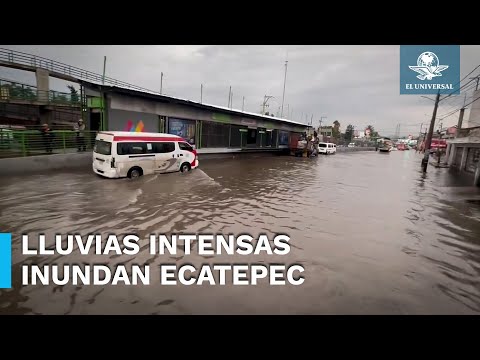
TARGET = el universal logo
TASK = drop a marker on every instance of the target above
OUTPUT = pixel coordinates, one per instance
(429, 75)
(428, 66)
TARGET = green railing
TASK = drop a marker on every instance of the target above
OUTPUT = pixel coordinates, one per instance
(10, 90)
(34, 142)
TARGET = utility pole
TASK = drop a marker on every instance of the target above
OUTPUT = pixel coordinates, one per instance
(460, 120)
(439, 153)
(428, 141)
(201, 93)
(460, 116)
(104, 66)
(243, 103)
(265, 100)
(161, 83)
(284, 83)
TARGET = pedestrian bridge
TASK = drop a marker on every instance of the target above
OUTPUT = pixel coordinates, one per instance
(33, 63)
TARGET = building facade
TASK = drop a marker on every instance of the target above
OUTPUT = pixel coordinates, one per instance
(205, 126)
(463, 152)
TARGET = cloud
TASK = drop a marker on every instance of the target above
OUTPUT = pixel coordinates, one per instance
(356, 85)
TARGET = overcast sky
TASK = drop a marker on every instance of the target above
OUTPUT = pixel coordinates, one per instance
(356, 85)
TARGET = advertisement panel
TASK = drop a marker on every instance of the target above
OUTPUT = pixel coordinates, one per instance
(283, 138)
(183, 128)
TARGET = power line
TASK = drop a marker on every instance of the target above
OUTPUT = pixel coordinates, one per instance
(471, 102)
(478, 66)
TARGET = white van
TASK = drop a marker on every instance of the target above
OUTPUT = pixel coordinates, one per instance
(118, 154)
(327, 148)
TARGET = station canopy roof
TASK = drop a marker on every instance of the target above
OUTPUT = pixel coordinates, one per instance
(166, 98)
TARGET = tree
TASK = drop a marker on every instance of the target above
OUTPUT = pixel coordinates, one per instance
(336, 130)
(369, 131)
(349, 133)
(17, 91)
(73, 93)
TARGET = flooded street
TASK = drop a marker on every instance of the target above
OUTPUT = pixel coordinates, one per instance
(374, 235)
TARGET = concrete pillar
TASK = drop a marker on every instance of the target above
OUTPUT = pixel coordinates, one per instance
(464, 158)
(451, 155)
(460, 121)
(447, 153)
(43, 84)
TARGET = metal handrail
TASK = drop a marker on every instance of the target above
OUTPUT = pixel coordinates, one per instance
(10, 90)
(15, 143)
(40, 96)
(18, 57)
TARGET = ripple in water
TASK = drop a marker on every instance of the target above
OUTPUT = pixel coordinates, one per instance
(371, 241)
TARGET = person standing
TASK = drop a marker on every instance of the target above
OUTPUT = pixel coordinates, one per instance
(47, 138)
(79, 128)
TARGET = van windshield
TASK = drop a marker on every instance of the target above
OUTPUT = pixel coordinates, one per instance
(103, 147)
(322, 145)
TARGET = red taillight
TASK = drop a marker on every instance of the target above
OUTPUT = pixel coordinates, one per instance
(196, 157)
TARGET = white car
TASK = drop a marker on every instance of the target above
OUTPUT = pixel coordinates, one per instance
(327, 148)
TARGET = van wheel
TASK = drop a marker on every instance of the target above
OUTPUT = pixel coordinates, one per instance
(135, 172)
(185, 167)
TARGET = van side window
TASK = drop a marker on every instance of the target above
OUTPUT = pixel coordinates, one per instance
(131, 148)
(163, 147)
(185, 146)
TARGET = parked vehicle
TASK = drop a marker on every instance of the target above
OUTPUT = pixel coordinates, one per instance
(118, 154)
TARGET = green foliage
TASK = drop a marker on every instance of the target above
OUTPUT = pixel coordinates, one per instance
(349, 133)
(19, 92)
(336, 130)
(73, 93)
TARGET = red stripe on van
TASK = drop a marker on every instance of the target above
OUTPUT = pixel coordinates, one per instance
(146, 138)
(195, 157)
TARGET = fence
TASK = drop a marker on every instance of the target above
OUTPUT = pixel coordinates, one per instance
(14, 143)
(10, 90)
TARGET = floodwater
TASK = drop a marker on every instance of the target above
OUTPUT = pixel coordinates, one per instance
(374, 235)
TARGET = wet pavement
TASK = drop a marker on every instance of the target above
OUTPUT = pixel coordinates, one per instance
(375, 236)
